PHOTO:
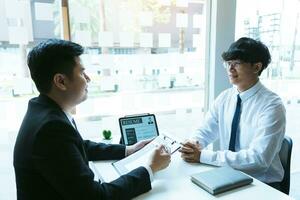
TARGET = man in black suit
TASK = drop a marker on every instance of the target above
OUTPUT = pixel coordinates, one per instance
(50, 157)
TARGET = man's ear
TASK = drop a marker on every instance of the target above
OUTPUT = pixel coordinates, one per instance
(258, 67)
(59, 81)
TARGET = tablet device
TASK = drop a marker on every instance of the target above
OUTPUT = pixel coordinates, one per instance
(135, 128)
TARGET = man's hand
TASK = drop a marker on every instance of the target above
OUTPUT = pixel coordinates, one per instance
(137, 146)
(160, 159)
(190, 151)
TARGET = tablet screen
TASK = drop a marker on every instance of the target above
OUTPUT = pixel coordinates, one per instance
(137, 128)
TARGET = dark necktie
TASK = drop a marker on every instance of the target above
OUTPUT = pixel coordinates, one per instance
(73, 122)
(235, 124)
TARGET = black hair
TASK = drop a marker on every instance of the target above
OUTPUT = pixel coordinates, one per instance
(250, 51)
(49, 58)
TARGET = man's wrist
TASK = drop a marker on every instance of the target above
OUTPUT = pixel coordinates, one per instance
(153, 169)
(127, 151)
(199, 156)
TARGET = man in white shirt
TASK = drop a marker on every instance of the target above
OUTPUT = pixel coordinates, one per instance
(248, 119)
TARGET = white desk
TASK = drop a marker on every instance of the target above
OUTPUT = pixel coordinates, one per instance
(174, 183)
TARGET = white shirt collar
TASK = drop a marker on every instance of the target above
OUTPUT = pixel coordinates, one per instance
(69, 116)
(250, 92)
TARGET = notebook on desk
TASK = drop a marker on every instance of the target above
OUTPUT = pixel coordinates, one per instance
(220, 180)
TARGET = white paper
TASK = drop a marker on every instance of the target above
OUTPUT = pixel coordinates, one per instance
(108, 174)
(146, 40)
(106, 39)
(182, 3)
(17, 35)
(140, 161)
(83, 38)
(142, 157)
(146, 19)
(43, 11)
(181, 20)
(164, 40)
(126, 39)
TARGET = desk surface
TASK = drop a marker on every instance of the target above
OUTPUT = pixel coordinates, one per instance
(174, 183)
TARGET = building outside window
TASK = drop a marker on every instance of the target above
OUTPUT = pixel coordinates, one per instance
(23, 24)
(157, 50)
(277, 24)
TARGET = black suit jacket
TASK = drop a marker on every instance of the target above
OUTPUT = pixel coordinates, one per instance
(51, 160)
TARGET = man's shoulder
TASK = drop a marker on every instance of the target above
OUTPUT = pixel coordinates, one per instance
(42, 117)
(45, 108)
(52, 130)
(269, 97)
(45, 115)
(269, 101)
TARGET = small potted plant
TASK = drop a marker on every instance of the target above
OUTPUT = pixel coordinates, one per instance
(106, 134)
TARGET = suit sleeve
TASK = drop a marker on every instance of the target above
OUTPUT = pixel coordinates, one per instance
(58, 159)
(99, 151)
(209, 130)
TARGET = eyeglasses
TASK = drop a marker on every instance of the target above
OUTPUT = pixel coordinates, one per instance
(234, 64)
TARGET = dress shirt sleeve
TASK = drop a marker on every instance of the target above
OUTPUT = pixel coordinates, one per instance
(150, 172)
(209, 131)
(265, 145)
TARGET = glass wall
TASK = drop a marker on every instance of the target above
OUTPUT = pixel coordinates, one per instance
(277, 24)
(23, 24)
(142, 56)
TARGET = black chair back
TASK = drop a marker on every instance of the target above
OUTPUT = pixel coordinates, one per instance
(285, 158)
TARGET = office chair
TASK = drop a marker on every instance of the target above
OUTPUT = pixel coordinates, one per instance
(285, 158)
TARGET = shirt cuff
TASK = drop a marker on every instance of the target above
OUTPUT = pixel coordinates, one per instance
(206, 157)
(149, 172)
(126, 152)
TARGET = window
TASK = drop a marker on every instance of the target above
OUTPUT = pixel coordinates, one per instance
(151, 58)
(277, 24)
(142, 56)
(23, 23)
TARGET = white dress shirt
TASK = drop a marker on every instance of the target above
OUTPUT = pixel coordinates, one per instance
(259, 136)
